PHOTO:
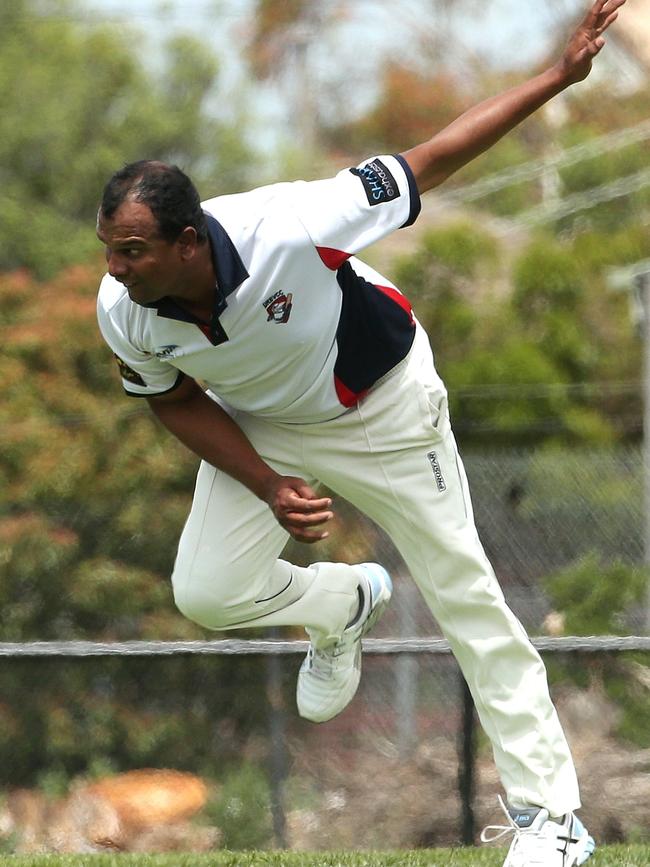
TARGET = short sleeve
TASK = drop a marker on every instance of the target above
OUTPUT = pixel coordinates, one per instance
(357, 207)
(143, 373)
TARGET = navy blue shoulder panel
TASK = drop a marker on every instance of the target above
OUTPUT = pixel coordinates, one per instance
(414, 193)
(376, 330)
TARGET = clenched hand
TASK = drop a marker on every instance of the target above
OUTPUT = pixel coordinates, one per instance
(298, 509)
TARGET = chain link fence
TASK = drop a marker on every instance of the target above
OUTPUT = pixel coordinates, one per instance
(404, 766)
(537, 513)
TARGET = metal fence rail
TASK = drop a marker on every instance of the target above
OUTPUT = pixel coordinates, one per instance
(390, 718)
(261, 647)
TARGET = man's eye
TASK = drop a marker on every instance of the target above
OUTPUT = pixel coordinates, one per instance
(133, 252)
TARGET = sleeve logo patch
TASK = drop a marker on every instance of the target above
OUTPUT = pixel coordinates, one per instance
(380, 186)
(128, 373)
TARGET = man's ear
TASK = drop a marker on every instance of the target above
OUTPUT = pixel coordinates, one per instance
(187, 243)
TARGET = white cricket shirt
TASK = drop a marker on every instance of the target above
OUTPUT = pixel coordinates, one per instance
(301, 329)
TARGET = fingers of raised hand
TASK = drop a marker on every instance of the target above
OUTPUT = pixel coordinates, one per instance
(602, 14)
(588, 40)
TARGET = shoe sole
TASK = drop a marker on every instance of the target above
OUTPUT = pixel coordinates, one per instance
(588, 851)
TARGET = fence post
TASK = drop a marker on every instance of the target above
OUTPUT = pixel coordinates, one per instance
(642, 287)
(467, 763)
(277, 736)
(406, 675)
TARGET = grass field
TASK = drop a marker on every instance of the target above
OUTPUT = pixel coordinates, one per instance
(607, 856)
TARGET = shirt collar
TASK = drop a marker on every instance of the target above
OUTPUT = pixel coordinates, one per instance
(226, 261)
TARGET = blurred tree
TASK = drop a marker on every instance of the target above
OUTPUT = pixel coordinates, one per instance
(595, 598)
(78, 103)
(272, 36)
(548, 294)
(93, 495)
(327, 59)
(409, 109)
(520, 361)
(445, 279)
(576, 119)
(90, 484)
(280, 46)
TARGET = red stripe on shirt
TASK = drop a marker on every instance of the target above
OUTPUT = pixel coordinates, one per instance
(332, 258)
(398, 298)
(345, 395)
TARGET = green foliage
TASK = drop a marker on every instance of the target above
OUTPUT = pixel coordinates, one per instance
(502, 394)
(461, 247)
(594, 598)
(537, 139)
(512, 151)
(595, 250)
(93, 498)
(548, 298)
(76, 104)
(242, 809)
(546, 277)
(604, 168)
(486, 856)
(440, 279)
(518, 338)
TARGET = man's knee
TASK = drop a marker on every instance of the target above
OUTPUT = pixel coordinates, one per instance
(216, 598)
(201, 608)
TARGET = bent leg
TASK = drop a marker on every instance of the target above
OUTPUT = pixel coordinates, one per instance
(227, 574)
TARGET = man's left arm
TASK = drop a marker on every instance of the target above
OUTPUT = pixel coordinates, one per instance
(482, 126)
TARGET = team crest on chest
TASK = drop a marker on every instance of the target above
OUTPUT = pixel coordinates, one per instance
(278, 307)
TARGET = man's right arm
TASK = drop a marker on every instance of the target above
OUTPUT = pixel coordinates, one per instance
(207, 430)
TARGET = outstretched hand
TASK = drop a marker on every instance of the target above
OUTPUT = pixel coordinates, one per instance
(587, 40)
(298, 509)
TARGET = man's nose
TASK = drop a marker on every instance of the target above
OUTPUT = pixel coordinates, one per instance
(117, 266)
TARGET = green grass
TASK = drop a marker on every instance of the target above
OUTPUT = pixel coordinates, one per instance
(607, 856)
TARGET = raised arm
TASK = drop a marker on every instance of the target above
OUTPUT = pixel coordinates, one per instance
(483, 125)
(205, 428)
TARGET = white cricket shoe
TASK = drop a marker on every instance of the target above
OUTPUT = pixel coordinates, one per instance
(329, 676)
(540, 841)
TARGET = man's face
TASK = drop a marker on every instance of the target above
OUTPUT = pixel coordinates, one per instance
(137, 255)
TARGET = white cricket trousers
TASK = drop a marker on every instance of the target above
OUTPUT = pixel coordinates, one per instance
(394, 457)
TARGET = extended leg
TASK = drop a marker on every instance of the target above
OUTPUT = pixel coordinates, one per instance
(395, 458)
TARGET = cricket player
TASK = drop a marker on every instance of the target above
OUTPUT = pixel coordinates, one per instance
(282, 361)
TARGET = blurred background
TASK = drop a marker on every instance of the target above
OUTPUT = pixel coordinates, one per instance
(530, 271)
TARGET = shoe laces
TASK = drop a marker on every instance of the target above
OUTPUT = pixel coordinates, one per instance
(529, 847)
(323, 660)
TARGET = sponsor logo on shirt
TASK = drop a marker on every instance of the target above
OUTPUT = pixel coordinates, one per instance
(379, 185)
(128, 373)
(278, 307)
(168, 351)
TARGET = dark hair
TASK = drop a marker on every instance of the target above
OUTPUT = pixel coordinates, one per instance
(166, 190)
